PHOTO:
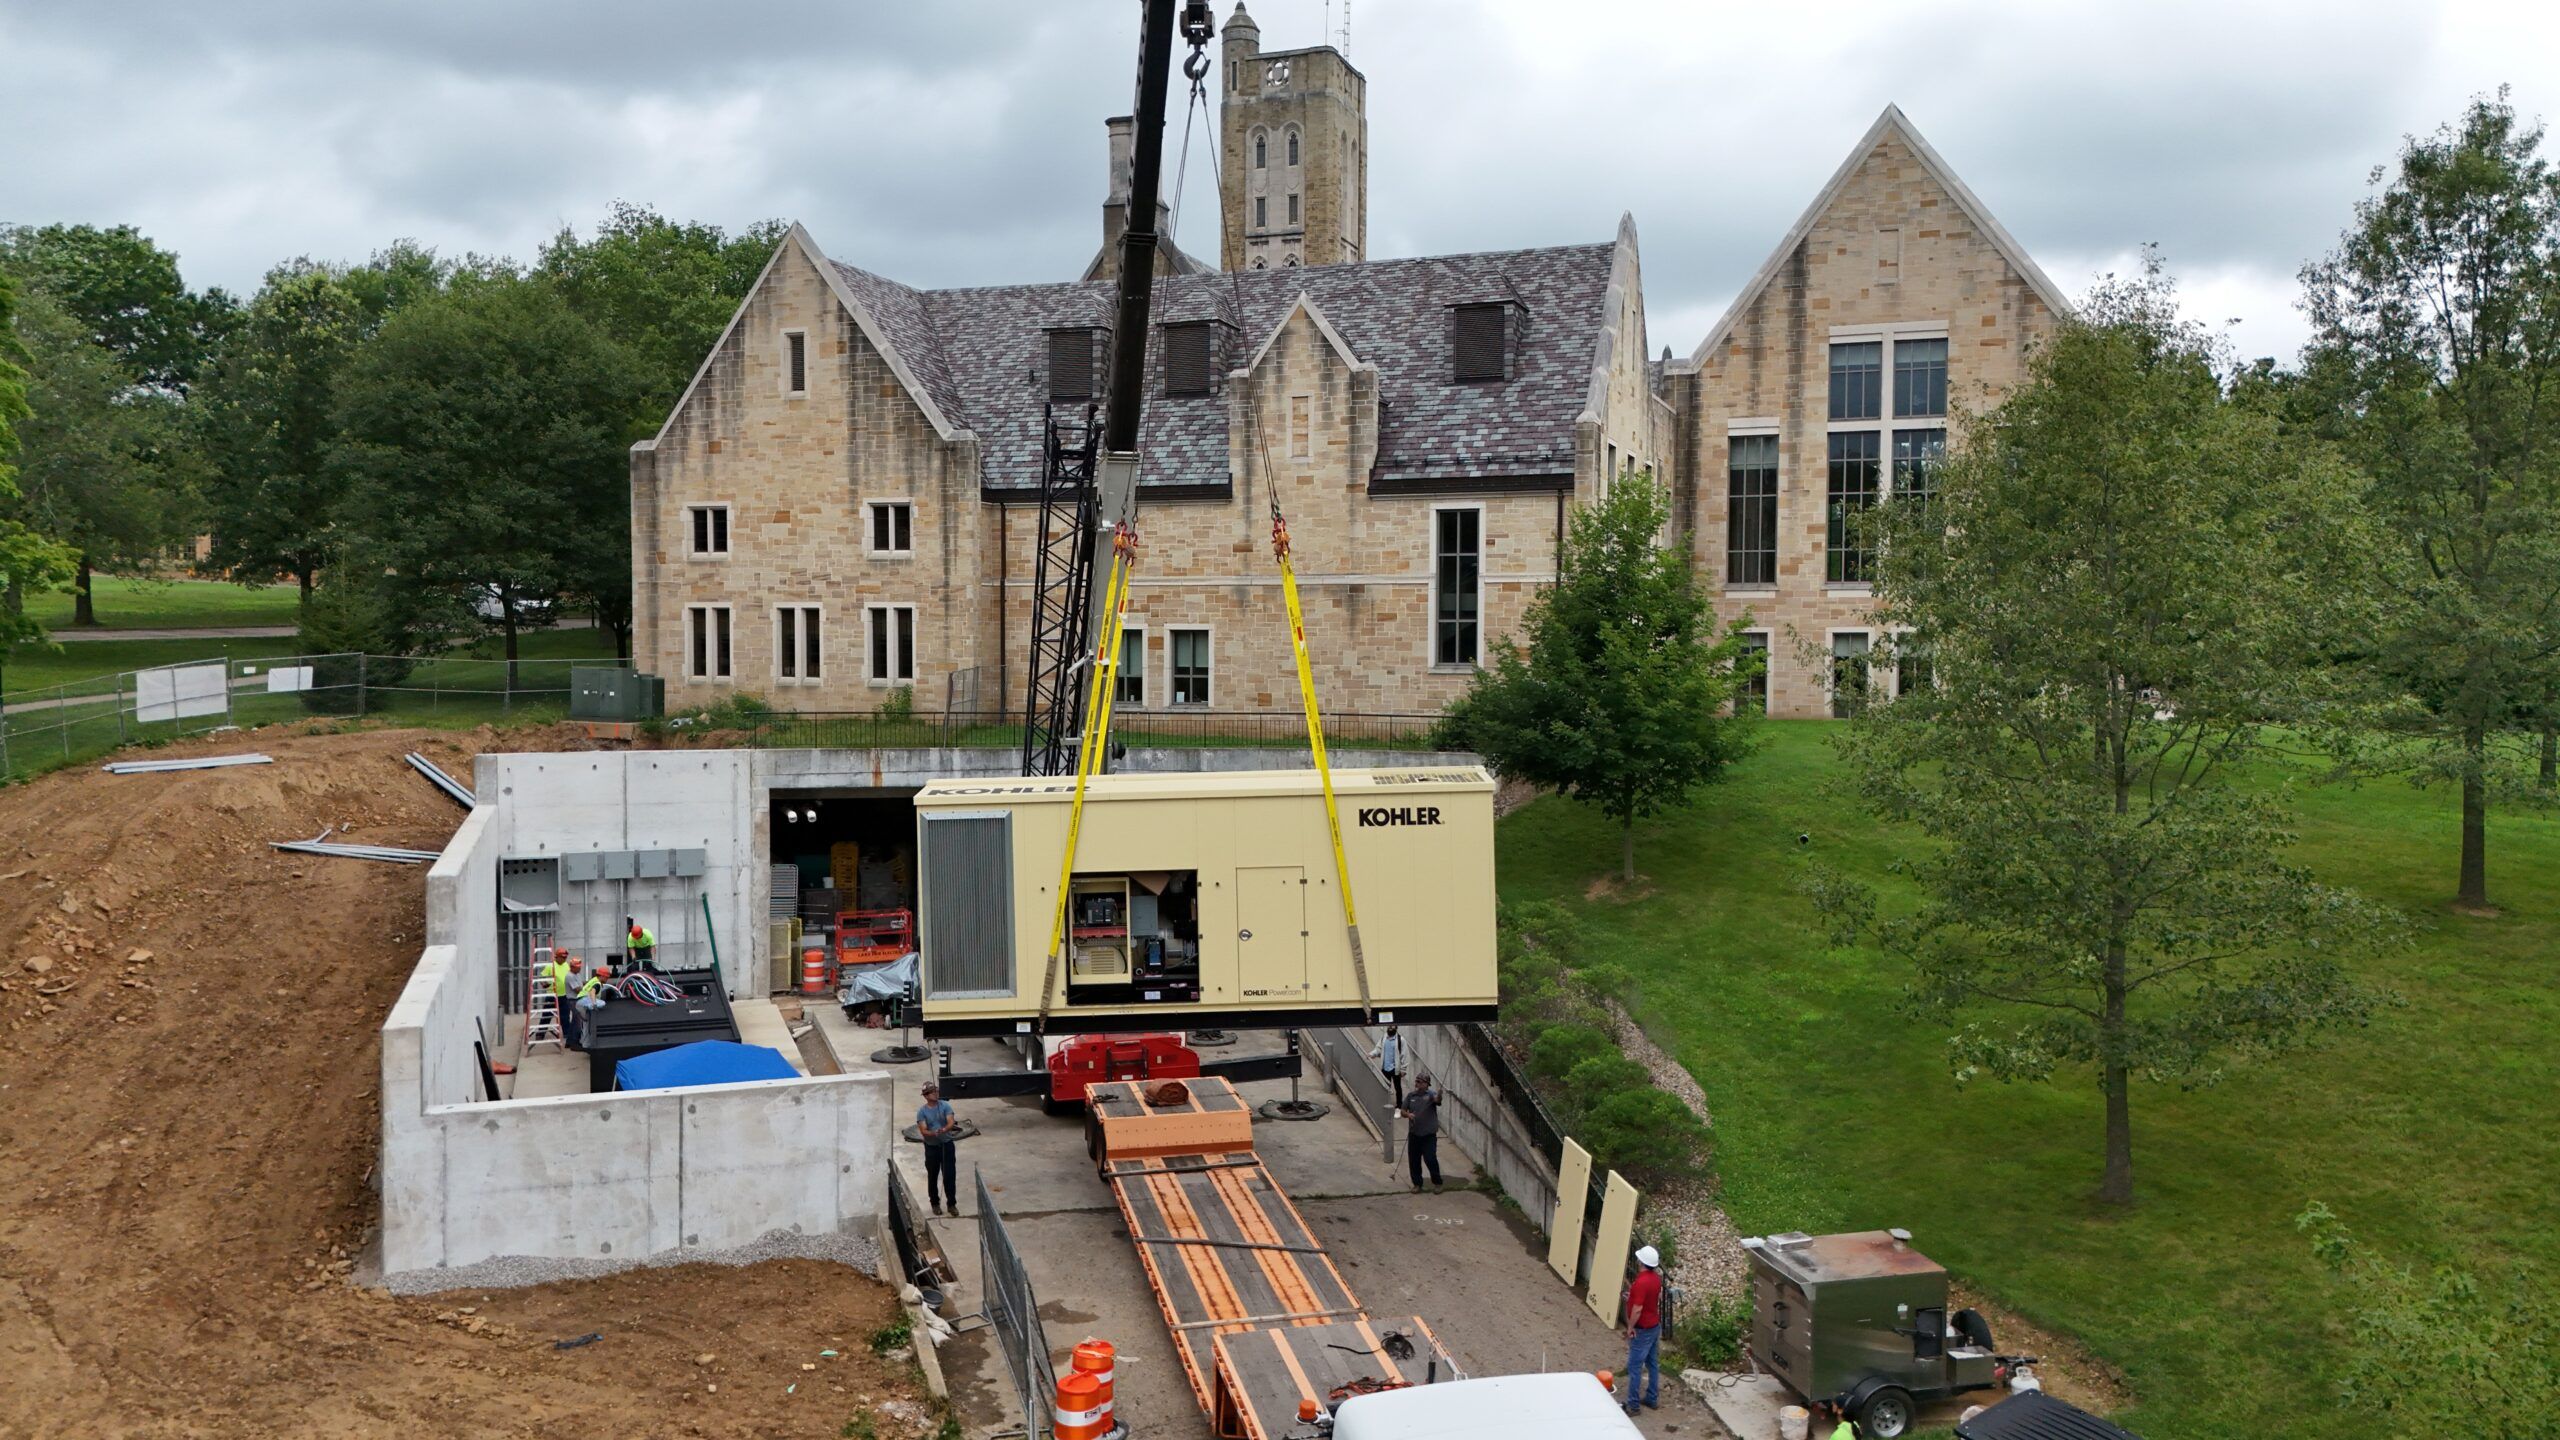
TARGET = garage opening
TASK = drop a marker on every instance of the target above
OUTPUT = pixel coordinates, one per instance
(843, 880)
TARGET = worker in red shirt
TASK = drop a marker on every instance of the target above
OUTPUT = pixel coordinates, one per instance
(1643, 1309)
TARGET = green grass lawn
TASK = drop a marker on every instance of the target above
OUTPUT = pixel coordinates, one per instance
(170, 604)
(2430, 1131)
(93, 664)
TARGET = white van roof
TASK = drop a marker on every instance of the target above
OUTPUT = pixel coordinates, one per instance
(1567, 1406)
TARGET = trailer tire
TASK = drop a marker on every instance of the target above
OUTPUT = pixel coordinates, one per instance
(1885, 1414)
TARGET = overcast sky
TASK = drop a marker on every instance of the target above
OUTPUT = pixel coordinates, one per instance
(959, 144)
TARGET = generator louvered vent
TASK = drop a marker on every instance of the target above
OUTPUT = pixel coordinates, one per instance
(965, 902)
(1187, 350)
(1477, 341)
(1071, 364)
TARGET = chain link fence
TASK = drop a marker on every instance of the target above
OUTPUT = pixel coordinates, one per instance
(48, 727)
(1169, 729)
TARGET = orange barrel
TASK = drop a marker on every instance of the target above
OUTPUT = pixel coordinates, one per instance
(1096, 1358)
(813, 972)
(1079, 1416)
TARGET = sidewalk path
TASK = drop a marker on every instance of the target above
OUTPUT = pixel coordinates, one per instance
(216, 632)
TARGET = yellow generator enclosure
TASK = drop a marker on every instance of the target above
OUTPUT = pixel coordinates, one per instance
(1205, 900)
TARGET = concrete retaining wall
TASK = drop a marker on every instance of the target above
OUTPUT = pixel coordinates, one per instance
(1480, 1122)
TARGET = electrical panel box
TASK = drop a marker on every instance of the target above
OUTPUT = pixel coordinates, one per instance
(1207, 899)
(612, 693)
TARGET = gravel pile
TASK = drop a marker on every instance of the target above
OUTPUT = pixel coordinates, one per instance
(506, 1272)
(1706, 1253)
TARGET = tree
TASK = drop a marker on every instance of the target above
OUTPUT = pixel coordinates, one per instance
(481, 433)
(2122, 582)
(664, 289)
(107, 470)
(126, 295)
(267, 409)
(28, 561)
(2448, 1353)
(1623, 697)
(2436, 363)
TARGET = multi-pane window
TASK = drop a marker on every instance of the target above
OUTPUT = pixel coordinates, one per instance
(1261, 211)
(1753, 662)
(893, 527)
(1848, 556)
(1916, 454)
(1129, 681)
(892, 643)
(1457, 572)
(1751, 510)
(1848, 673)
(706, 641)
(1190, 667)
(709, 525)
(1187, 359)
(1857, 380)
(1919, 378)
(797, 642)
(796, 345)
(1477, 343)
(1914, 669)
(1071, 364)
(1293, 147)
(1301, 427)
(1261, 151)
(1293, 209)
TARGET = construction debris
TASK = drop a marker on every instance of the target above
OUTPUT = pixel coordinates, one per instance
(205, 762)
(460, 792)
(320, 845)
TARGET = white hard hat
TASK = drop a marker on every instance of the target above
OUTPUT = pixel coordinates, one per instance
(1648, 1257)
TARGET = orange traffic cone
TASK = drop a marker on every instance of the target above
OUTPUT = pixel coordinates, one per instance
(1097, 1358)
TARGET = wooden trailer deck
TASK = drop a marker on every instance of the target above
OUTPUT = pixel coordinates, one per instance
(1260, 1314)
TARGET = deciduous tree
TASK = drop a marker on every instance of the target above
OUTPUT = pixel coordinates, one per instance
(2122, 584)
(2436, 361)
(1622, 699)
(482, 438)
(29, 562)
(126, 294)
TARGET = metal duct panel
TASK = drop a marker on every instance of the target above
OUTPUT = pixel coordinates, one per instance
(965, 883)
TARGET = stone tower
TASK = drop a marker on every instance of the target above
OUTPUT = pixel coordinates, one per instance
(1293, 164)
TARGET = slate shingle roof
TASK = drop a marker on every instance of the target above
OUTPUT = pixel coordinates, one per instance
(981, 354)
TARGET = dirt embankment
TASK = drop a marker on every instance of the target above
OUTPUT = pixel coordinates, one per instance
(188, 1118)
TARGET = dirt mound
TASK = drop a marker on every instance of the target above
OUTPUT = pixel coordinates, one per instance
(188, 1120)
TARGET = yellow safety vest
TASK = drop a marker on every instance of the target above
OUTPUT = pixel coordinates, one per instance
(644, 939)
(558, 974)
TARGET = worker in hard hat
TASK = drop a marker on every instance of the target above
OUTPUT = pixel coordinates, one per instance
(1643, 1311)
(565, 972)
(591, 997)
(939, 1129)
(642, 942)
(1834, 1410)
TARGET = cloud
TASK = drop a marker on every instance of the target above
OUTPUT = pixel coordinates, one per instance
(961, 144)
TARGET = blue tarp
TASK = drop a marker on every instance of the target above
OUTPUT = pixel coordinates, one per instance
(704, 1062)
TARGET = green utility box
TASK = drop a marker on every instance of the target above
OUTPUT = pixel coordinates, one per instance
(612, 693)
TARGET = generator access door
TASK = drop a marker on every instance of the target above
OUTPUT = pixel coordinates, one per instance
(1271, 931)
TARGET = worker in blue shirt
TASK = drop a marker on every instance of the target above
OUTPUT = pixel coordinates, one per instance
(939, 1129)
(1390, 1057)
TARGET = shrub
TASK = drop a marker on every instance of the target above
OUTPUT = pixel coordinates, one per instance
(1603, 1077)
(345, 621)
(892, 1335)
(1710, 1330)
(1649, 1135)
(1560, 1049)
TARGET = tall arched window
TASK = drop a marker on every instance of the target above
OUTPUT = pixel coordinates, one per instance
(1261, 145)
(1293, 145)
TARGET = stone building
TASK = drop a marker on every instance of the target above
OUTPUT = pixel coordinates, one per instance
(842, 504)
(1895, 305)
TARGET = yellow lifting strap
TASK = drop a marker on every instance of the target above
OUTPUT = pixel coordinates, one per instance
(1089, 749)
(1315, 745)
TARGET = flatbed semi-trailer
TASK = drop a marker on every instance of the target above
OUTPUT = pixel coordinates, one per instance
(1261, 1317)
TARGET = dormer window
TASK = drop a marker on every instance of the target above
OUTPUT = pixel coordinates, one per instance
(1187, 364)
(1071, 364)
(1479, 342)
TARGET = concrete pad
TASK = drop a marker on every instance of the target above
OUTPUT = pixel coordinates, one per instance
(552, 1070)
(1472, 1269)
(1746, 1405)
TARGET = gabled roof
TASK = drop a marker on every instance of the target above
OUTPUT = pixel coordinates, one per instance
(980, 356)
(1891, 122)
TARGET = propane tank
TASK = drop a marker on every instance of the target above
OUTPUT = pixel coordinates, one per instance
(2024, 1381)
